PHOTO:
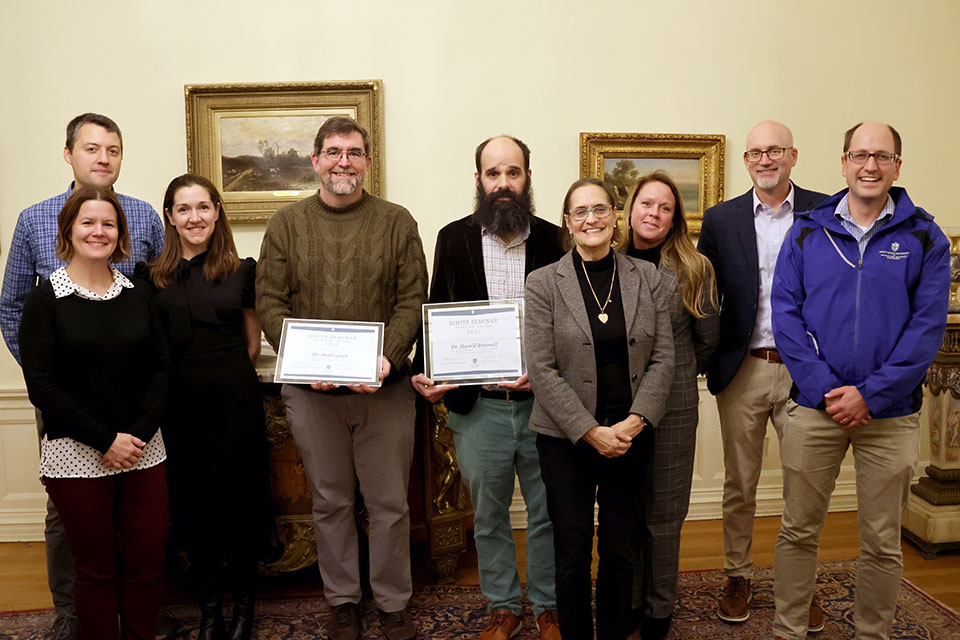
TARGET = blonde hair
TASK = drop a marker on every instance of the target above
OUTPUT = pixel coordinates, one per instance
(693, 270)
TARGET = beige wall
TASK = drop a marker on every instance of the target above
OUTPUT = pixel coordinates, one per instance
(455, 73)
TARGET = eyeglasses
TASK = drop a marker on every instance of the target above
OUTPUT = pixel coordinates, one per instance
(335, 153)
(862, 157)
(600, 212)
(774, 153)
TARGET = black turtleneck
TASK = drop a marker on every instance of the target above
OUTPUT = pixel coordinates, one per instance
(649, 255)
(614, 396)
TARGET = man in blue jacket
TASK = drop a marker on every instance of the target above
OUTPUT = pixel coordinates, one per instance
(859, 309)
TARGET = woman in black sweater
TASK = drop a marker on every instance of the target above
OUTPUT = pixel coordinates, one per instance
(96, 366)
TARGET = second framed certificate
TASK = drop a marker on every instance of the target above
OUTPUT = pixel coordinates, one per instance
(473, 342)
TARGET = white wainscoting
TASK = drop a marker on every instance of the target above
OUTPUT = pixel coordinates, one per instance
(23, 502)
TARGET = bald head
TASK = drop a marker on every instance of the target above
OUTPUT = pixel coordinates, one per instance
(771, 176)
(769, 131)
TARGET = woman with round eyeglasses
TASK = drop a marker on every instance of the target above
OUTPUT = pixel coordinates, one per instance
(216, 435)
(599, 351)
(658, 235)
(96, 366)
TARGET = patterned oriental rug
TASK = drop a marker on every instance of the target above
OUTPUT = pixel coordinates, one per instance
(447, 612)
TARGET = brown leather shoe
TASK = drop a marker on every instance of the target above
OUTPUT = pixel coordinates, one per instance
(816, 619)
(503, 625)
(734, 604)
(549, 625)
(344, 622)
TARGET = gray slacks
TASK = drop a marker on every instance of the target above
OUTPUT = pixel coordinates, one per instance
(343, 440)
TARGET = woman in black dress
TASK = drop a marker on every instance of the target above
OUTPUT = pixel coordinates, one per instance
(216, 440)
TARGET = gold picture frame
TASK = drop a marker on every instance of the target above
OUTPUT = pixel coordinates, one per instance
(695, 161)
(254, 140)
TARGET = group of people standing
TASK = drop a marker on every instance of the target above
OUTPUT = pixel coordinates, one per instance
(619, 320)
(138, 347)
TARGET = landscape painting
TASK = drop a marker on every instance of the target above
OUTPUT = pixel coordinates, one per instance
(693, 160)
(268, 152)
(254, 140)
(621, 174)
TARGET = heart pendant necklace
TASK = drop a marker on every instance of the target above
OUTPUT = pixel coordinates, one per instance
(602, 316)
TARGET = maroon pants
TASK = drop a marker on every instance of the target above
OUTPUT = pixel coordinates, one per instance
(117, 528)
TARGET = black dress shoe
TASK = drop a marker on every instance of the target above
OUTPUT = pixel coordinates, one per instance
(656, 628)
(241, 625)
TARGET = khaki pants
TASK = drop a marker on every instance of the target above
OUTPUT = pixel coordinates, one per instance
(885, 455)
(756, 395)
(343, 439)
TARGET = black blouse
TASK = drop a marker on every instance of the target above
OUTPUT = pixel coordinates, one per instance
(204, 316)
(614, 395)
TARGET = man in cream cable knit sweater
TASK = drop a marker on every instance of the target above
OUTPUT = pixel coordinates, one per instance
(343, 254)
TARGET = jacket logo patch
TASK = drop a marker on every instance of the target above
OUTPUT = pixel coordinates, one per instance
(894, 253)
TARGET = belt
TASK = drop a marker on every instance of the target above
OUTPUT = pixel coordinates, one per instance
(770, 355)
(509, 396)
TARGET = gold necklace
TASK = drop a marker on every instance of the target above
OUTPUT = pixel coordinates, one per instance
(602, 317)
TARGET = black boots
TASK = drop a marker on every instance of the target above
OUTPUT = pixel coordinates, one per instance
(241, 626)
(211, 618)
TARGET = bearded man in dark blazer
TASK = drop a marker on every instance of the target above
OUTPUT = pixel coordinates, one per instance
(742, 239)
(487, 255)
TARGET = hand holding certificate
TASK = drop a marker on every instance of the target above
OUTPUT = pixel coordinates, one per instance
(474, 342)
(326, 354)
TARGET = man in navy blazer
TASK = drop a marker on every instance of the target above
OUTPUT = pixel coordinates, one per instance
(742, 239)
(487, 256)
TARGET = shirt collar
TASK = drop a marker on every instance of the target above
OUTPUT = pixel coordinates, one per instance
(759, 206)
(520, 239)
(842, 212)
(63, 286)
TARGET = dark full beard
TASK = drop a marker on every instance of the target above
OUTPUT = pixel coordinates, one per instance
(504, 218)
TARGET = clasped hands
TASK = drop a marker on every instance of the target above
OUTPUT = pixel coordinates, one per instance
(847, 407)
(615, 440)
(125, 452)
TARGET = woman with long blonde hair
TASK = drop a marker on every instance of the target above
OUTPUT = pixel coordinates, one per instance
(658, 234)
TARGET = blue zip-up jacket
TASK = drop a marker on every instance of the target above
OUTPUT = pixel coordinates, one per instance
(874, 322)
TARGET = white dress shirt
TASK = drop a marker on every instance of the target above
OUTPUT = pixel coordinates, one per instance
(771, 227)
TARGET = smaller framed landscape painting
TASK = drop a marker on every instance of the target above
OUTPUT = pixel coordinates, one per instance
(694, 161)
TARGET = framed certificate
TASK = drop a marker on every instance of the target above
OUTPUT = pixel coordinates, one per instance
(473, 342)
(329, 351)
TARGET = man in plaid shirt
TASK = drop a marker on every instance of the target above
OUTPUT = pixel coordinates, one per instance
(487, 256)
(94, 149)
